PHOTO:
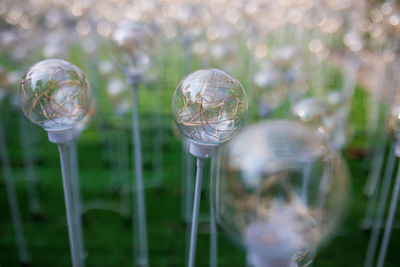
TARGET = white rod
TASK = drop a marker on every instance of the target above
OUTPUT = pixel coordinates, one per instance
(306, 182)
(112, 144)
(372, 188)
(76, 199)
(121, 159)
(389, 221)
(187, 191)
(377, 162)
(26, 140)
(384, 194)
(13, 200)
(158, 140)
(188, 176)
(140, 200)
(125, 200)
(213, 223)
(62, 148)
(196, 207)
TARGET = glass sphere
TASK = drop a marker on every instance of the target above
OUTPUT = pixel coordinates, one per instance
(393, 123)
(280, 192)
(131, 44)
(271, 89)
(316, 114)
(54, 94)
(284, 56)
(338, 104)
(209, 106)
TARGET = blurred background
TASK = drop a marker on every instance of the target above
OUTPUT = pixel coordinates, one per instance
(345, 53)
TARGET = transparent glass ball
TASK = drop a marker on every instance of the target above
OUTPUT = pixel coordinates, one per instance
(271, 89)
(131, 44)
(54, 94)
(316, 114)
(209, 106)
(393, 123)
(280, 192)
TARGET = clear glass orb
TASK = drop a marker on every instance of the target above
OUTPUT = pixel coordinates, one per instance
(284, 56)
(209, 106)
(316, 114)
(280, 192)
(270, 88)
(54, 94)
(191, 19)
(131, 44)
(393, 123)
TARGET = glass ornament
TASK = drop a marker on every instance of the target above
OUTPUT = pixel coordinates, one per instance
(283, 57)
(271, 89)
(280, 192)
(338, 104)
(54, 94)
(131, 44)
(316, 114)
(209, 106)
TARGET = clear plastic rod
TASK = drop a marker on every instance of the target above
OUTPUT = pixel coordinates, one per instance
(373, 241)
(141, 230)
(76, 198)
(306, 182)
(375, 173)
(389, 221)
(26, 141)
(377, 162)
(62, 148)
(12, 200)
(213, 224)
(196, 208)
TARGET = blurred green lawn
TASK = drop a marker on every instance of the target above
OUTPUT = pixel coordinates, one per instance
(107, 235)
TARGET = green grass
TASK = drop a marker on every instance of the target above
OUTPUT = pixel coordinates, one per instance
(107, 234)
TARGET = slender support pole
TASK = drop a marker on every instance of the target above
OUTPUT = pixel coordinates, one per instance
(377, 162)
(125, 200)
(12, 200)
(122, 159)
(213, 224)
(76, 199)
(306, 182)
(140, 200)
(389, 221)
(373, 241)
(158, 140)
(324, 187)
(196, 207)
(372, 185)
(187, 176)
(62, 148)
(113, 156)
(187, 192)
(26, 141)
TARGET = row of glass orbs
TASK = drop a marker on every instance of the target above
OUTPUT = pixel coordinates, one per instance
(280, 190)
